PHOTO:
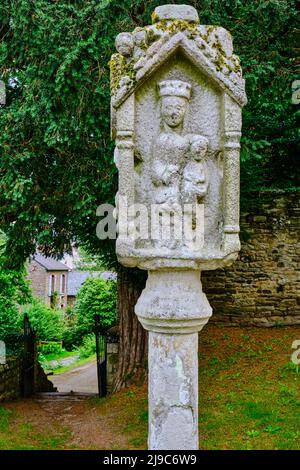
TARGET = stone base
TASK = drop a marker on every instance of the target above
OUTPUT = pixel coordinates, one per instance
(173, 308)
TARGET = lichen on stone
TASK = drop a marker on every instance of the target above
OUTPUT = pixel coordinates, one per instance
(151, 37)
(120, 68)
(208, 30)
(176, 26)
(154, 17)
(208, 42)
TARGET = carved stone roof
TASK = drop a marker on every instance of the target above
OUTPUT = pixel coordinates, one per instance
(142, 52)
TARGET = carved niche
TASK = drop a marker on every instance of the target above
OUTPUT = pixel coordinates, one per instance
(177, 96)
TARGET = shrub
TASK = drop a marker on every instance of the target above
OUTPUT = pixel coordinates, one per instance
(46, 322)
(70, 336)
(14, 291)
(88, 347)
(50, 347)
(97, 296)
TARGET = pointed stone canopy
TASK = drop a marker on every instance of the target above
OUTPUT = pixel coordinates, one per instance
(176, 27)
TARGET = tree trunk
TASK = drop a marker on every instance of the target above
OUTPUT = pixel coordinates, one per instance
(133, 338)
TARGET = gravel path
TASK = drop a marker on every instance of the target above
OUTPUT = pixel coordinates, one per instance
(80, 379)
(66, 361)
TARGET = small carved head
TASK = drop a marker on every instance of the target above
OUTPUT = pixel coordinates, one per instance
(199, 146)
(175, 95)
(140, 37)
(125, 44)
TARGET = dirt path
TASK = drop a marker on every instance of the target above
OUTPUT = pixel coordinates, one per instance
(76, 422)
(81, 379)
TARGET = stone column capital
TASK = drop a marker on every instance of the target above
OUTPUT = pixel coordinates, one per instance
(173, 303)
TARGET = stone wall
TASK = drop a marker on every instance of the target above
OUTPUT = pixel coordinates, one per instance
(11, 379)
(112, 364)
(39, 281)
(262, 287)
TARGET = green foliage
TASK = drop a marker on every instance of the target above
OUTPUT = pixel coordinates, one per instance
(89, 261)
(14, 292)
(56, 162)
(46, 321)
(3, 241)
(97, 296)
(88, 347)
(70, 334)
(51, 347)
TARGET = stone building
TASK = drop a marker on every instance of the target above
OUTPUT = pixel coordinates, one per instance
(55, 284)
(49, 280)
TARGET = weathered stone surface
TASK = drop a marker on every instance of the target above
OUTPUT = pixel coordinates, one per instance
(173, 391)
(175, 12)
(112, 364)
(12, 375)
(178, 64)
(173, 302)
(2, 93)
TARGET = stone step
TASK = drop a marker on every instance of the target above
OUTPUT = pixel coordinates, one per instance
(63, 396)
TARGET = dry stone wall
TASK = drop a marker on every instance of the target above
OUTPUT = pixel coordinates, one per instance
(262, 288)
(11, 379)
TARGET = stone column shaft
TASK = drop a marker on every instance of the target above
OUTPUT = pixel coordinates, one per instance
(173, 391)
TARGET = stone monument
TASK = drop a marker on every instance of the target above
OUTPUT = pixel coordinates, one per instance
(177, 96)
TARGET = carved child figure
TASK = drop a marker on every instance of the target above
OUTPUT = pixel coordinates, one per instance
(195, 182)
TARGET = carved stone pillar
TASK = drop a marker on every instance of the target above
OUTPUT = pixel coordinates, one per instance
(177, 96)
(173, 309)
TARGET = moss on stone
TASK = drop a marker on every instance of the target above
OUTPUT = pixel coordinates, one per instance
(220, 62)
(151, 37)
(219, 47)
(154, 17)
(119, 68)
(209, 30)
(176, 26)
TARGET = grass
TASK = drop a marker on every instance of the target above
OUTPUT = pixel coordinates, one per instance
(249, 398)
(249, 392)
(254, 391)
(78, 363)
(60, 369)
(61, 355)
(16, 434)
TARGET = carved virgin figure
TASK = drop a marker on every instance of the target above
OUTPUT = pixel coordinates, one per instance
(178, 170)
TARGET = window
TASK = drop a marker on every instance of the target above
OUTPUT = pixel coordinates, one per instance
(63, 284)
(52, 284)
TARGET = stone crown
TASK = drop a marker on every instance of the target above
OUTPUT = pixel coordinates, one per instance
(175, 88)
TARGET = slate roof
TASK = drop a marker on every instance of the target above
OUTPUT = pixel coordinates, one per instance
(50, 264)
(77, 278)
